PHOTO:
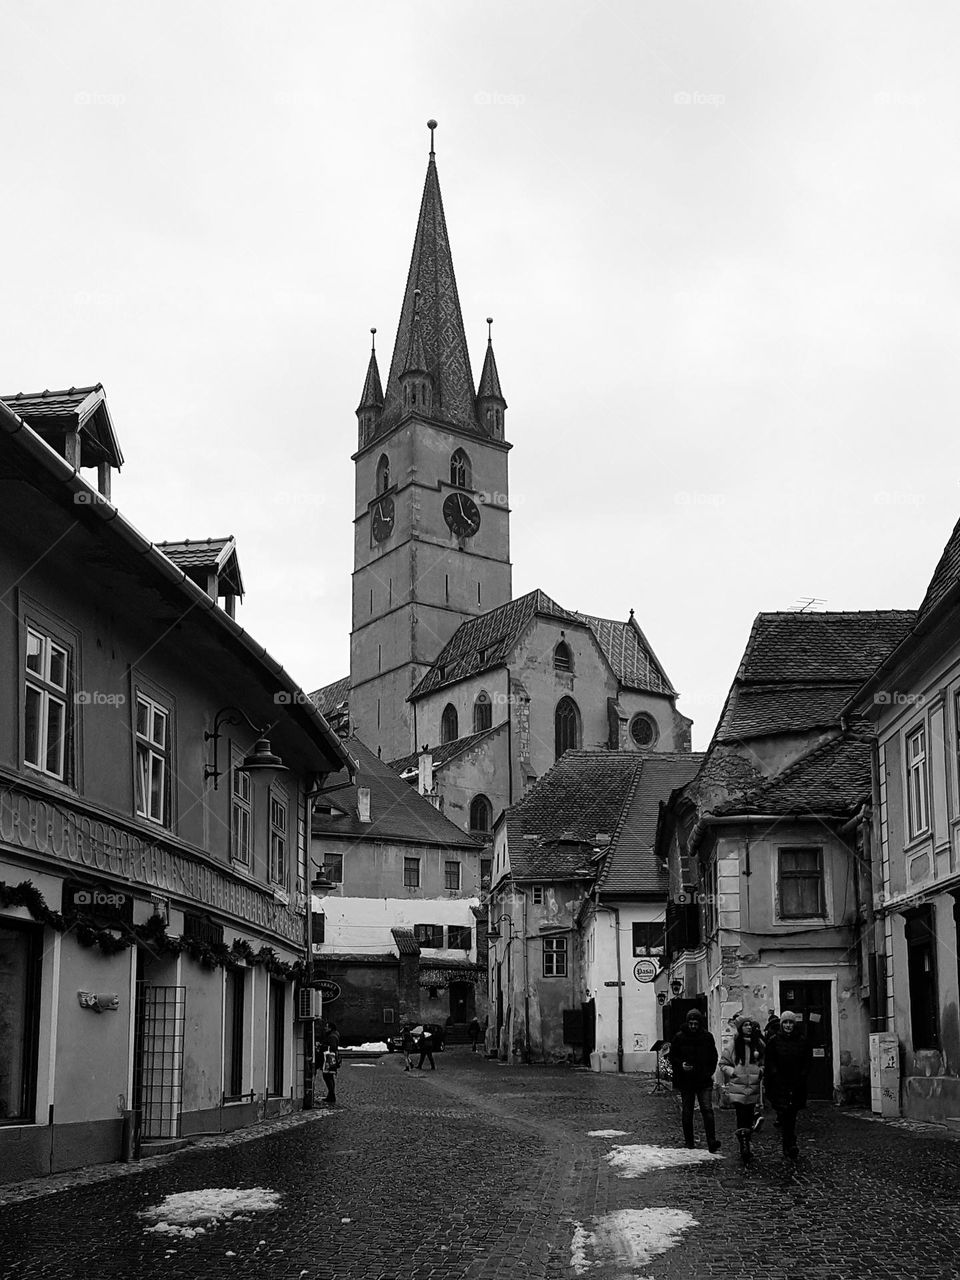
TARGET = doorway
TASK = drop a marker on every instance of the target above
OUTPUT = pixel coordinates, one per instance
(461, 994)
(811, 1002)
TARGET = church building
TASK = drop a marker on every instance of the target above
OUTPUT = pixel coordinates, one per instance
(471, 694)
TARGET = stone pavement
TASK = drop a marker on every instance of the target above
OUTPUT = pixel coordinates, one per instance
(483, 1172)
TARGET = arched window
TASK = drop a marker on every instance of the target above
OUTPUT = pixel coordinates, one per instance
(482, 712)
(481, 815)
(562, 657)
(460, 470)
(566, 722)
(383, 474)
(449, 724)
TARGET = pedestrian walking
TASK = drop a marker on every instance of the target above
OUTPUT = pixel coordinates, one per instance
(328, 1051)
(742, 1068)
(425, 1045)
(693, 1057)
(787, 1062)
(474, 1031)
(406, 1048)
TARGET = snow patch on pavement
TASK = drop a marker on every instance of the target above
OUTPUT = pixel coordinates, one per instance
(627, 1239)
(632, 1162)
(189, 1213)
(374, 1046)
(607, 1133)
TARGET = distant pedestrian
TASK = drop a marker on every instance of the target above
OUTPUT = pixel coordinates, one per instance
(772, 1027)
(742, 1068)
(328, 1050)
(425, 1045)
(406, 1048)
(474, 1031)
(693, 1057)
(787, 1062)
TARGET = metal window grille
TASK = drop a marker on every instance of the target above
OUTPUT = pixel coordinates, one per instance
(159, 1059)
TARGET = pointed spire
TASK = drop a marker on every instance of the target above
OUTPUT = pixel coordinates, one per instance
(490, 401)
(372, 394)
(416, 361)
(442, 338)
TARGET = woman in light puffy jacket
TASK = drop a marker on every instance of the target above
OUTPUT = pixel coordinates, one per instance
(742, 1068)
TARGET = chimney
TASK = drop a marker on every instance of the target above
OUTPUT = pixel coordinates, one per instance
(363, 804)
(425, 765)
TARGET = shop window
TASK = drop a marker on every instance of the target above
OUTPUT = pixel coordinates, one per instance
(242, 817)
(554, 957)
(278, 1036)
(19, 1019)
(153, 760)
(451, 875)
(411, 873)
(233, 1031)
(46, 723)
(278, 840)
(800, 883)
(920, 936)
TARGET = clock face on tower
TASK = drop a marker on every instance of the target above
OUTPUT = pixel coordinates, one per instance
(461, 514)
(381, 519)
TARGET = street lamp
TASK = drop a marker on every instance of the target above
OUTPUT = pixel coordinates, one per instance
(260, 760)
(494, 932)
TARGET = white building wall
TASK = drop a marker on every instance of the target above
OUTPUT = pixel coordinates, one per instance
(639, 1000)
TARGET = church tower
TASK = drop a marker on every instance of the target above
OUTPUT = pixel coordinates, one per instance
(431, 520)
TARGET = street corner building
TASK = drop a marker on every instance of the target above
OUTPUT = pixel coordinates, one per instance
(768, 847)
(156, 766)
(576, 911)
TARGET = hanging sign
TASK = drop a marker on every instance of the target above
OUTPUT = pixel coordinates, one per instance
(330, 990)
(645, 970)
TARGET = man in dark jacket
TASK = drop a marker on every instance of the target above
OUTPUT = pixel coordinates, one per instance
(693, 1057)
(787, 1062)
(328, 1060)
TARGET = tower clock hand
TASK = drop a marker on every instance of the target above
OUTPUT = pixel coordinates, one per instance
(462, 512)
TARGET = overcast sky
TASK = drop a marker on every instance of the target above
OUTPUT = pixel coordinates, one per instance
(719, 240)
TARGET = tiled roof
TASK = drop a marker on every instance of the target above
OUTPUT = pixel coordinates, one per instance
(945, 575)
(448, 750)
(404, 937)
(631, 865)
(799, 669)
(328, 698)
(552, 831)
(834, 779)
(632, 660)
(484, 643)
(218, 555)
(84, 409)
(397, 810)
(440, 321)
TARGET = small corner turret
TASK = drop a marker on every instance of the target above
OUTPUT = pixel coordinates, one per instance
(491, 405)
(370, 408)
(416, 385)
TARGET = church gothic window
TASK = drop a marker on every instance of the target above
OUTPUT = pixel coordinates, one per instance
(566, 726)
(449, 724)
(460, 470)
(562, 657)
(383, 474)
(482, 713)
(481, 815)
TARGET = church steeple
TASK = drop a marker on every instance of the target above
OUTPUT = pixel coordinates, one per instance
(416, 386)
(442, 339)
(490, 402)
(370, 408)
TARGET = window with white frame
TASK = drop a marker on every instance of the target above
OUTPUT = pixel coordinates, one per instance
(278, 840)
(538, 895)
(918, 791)
(242, 817)
(153, 760)
(800, 885)
(554, 957)
(45, 719)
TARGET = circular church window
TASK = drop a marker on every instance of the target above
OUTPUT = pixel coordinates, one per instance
(643, 730)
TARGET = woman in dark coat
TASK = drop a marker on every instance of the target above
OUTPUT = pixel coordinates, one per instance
(693, 1057)
(742, 1068)
(787, 1061)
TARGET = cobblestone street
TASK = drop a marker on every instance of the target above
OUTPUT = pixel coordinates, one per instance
(478, 1171)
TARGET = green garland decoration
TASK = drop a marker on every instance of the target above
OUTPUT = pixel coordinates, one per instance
(153, 934)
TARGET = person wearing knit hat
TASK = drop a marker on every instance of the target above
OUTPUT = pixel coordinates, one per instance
(788, 1061)
(693, 1057)
(742, 1068)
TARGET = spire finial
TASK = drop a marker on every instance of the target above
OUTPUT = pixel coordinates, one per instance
(373, 341)
(490, 328)
(431, 125)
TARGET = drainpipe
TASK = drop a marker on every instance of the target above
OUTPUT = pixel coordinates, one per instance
(526, 989)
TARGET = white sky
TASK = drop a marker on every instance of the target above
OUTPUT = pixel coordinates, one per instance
(725, 327)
